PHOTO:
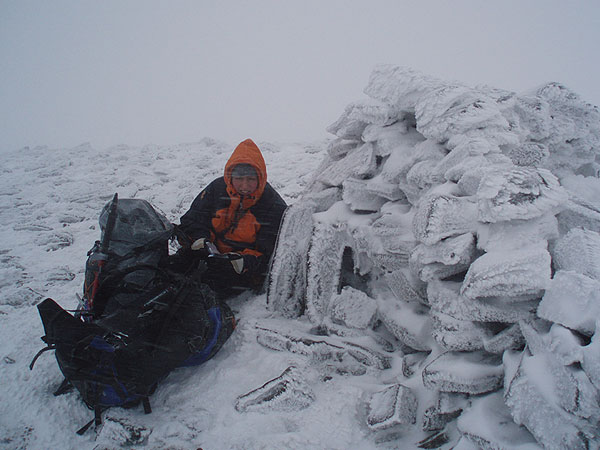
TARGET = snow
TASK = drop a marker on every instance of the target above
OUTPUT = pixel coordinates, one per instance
(436, 273)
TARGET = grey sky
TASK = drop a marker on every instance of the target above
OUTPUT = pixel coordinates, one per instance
(138, 72)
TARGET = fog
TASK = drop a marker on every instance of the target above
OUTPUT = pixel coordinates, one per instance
(156, 72)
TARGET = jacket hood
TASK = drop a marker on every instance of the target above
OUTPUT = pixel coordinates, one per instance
(247, 152)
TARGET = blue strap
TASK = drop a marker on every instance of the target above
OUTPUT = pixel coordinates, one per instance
(197, 358)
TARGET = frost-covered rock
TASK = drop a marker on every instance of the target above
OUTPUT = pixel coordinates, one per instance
(353, 308)
(393, 406)
(488, 424)
(578, 251)
(445, 297)
(443, 259)
(520, 193)
(515, 234)
(288, 392)
(456, 334)
(359, 162)
(522, 272)
(469, 373)
(442, 216)
(359, 197)
(407, 321)
(543, 396)
(573, 300)
(591, 358)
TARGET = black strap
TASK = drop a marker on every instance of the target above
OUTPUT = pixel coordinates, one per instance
(146, 403)
(84, 428)
(64, 387)
(45, 349)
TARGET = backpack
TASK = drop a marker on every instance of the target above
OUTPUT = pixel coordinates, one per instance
(137, 320)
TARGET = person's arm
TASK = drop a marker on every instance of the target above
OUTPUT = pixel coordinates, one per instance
(196, 223)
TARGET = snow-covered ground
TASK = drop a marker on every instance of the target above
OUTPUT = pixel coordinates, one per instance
(471, 219)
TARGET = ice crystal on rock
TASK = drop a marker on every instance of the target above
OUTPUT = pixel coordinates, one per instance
(522, 193)
(287, 392)
(573, 300)
(470, 373)
(353, 308)
(395, 405)
(442, 216)
(578, 251)
(540, 393)
(522, 272)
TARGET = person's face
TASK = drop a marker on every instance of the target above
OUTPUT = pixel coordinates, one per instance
(245, 185)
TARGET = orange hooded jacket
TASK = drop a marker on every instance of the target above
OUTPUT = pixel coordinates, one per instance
(246, 225)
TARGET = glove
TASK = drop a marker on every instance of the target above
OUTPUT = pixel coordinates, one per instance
(199, 244)
(221, 262)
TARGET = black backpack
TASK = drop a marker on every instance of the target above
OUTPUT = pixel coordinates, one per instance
(137, 321)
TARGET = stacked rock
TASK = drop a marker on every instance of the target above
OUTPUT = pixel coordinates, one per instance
(438, 211)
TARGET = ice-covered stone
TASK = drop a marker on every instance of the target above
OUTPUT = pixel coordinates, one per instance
(469, 373)
(325, 264)
(382, 188)
(343, 355)
(441, 216)
(353, 308)
(489, 425)
(318, 350)
(540, 393)
(566, 347)
(399, 86)
(521, 193)
(404, 157)
(348, 126)
(393, 406)
(287, 277)
(407, 321)
(411, 363)
(578, 251)
(448, 257)
(456, 110)
(456, 334)
(403, 289)
(516, 272)
(572, 300)
(288, 392)
(515, 233)
(358, 163)
(574, 128)
(528, 154)
(359, 198)
(445, 297)
(338, 148)
(509, 338)
(591, 358)
(445, 408)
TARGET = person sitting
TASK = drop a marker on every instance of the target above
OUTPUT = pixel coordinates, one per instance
(233, 224)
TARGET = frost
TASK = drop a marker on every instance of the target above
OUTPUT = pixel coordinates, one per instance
(521, 193)
(442, 216)
(578, 252)
(448, 257)
(488, 424)
(408, 322)
(534, 393)
(287, 392)
(395, 405)
(353, 308)
(573, 300)
(472, 373)
(515, 273)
